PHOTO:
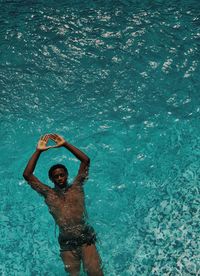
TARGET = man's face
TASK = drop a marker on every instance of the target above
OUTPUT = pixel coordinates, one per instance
(59, 177)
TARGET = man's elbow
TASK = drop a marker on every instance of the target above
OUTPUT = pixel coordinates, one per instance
(26, 176)
(87, 161)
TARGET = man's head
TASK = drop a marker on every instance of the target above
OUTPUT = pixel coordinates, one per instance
(58, 174)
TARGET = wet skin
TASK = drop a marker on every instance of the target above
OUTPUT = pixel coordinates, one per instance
(66, 204)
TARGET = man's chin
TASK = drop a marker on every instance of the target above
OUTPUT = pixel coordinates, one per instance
(61, 184)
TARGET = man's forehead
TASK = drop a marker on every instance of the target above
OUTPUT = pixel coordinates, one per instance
(58, 170)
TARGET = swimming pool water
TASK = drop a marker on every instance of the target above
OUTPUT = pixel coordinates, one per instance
(120, 80)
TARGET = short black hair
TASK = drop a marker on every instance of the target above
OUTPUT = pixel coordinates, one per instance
(54, 167)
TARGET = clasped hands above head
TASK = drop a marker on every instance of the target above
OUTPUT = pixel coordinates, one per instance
(42, 143)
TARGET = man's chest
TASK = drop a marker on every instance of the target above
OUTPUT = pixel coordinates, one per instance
(72, 197)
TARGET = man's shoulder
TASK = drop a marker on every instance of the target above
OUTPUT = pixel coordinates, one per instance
(76, 185)
(52, 195)
(51, 191)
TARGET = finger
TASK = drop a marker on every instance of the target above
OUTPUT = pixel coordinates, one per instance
(46, 138)
(55, 135)
(54, 146)
(52, 137)
(49, 147)
(59, 137)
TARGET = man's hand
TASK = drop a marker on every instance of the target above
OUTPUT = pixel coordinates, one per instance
(42, 143)
(59, 140)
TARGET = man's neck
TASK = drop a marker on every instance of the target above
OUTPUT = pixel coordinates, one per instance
(62, 189)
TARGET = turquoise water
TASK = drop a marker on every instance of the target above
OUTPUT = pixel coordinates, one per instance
(120, 80)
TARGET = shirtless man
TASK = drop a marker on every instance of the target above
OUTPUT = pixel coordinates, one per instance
(66, 204)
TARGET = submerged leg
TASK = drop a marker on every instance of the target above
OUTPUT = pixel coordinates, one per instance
(72, 261)
(91, 260)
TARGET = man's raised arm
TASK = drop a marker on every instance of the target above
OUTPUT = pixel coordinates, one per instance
(28, 172)
(85, 160)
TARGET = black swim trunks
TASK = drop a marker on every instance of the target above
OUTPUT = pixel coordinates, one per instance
(87, 236)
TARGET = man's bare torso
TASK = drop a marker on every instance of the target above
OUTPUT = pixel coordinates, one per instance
(68, 209)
